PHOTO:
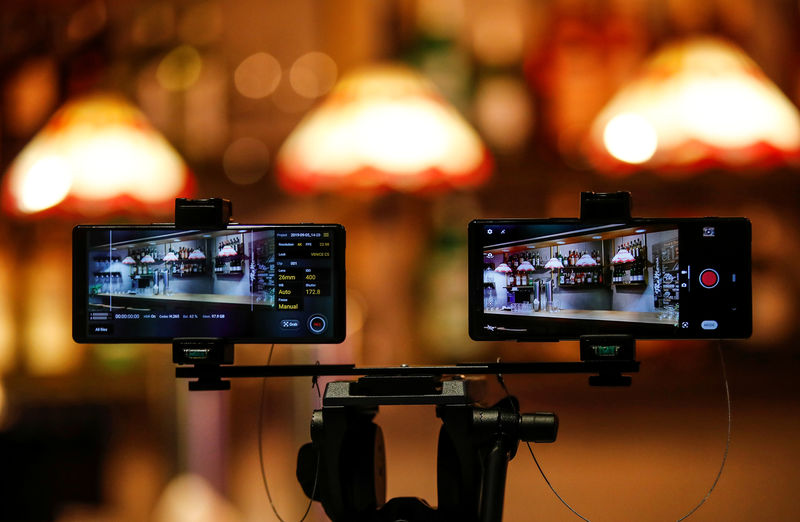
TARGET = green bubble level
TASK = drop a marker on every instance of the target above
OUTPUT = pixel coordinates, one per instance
(606, 351)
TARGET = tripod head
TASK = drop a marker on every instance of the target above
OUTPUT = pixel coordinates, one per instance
(344, 465)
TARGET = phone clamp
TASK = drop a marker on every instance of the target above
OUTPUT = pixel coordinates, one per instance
(202, 213)
(346, 456)
(206, 354)
(599, 348)
(605, 205)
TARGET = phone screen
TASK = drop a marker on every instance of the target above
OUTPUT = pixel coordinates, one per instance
(243, 283)
(649, 278)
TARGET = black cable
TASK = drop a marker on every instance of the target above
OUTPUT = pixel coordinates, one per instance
(551, 486)
(727, 443)
(721, 467)
(261, 451)
(508, 394)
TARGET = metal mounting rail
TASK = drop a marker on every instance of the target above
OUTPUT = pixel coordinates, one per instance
(318, 370)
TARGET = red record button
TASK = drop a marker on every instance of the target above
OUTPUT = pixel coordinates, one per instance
(709, 278)
(317, 324)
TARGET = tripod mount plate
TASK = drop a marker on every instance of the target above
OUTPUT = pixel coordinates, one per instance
(399, 389)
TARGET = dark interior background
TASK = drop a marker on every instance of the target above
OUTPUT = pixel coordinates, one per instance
(104, 432)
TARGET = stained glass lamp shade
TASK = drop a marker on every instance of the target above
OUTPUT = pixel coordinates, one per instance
(525, 266)
(553, 264)
(623, 256)
(227, 251)
(696, 104)
(503, 268)
(383, 127)
(96, 154)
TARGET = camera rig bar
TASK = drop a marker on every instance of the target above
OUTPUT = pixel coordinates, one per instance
(608, 373)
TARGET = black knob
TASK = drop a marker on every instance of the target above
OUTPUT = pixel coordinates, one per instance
(538, 427)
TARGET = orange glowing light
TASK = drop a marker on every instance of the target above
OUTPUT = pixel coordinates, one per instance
(697, 104)
(96, 154)
(8, 328)
(180, 68)
(46, 333)
(313, 74)
(383, 127)
(191, 497)
(258, 75)
(3, 403)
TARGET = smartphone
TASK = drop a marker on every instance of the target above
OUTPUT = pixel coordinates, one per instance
(240, 283)
(553, 279)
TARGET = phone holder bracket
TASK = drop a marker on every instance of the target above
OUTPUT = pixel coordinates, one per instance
(202, 213)
(204, 353)
(605, 205)
(208, 353)
(598, 348)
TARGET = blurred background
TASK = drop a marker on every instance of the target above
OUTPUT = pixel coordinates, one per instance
(402, 120)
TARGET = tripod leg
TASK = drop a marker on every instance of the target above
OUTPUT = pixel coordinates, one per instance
(494, 481)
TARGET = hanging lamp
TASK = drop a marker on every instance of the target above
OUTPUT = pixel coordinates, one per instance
(383, 127)
(97, 154)
(698, 103)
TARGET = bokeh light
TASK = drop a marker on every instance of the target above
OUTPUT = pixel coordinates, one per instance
(47, 331)
(246, 160)
(774, 304)
(258, 75)
(30, 96)
(630, 138)
(180, 68)
(47, 183)
(313, 74)
(504, 112)
(190, 498)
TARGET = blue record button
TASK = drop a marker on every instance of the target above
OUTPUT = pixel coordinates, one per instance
(709, 325)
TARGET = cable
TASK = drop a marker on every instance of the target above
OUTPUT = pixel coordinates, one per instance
(551, 486)
(727, 443)
(721, 467)
(502, 382)
(261, 451)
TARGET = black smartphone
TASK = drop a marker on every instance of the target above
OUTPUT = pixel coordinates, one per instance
(553, 279)
(241, 283)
